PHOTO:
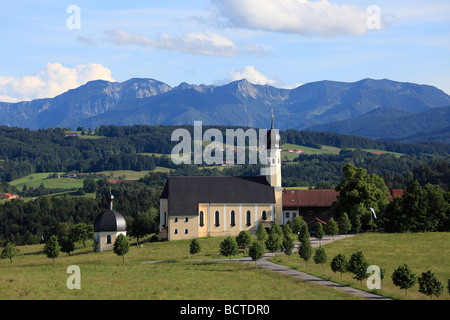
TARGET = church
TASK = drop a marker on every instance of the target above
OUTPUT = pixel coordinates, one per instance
(193, 207)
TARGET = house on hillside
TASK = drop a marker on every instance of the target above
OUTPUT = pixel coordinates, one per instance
(315, 205)
(8, 196)
(395, 193)
(72, 134)
(310, 204)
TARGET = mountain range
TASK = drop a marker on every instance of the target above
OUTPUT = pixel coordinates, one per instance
(380, 109)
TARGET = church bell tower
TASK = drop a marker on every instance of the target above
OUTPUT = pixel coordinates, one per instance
(272, 169)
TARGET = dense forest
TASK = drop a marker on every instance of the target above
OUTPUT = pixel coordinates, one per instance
(23, 152)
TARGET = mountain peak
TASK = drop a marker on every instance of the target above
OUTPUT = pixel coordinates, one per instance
(238, 103)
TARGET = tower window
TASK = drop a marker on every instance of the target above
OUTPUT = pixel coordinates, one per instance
(175, 219)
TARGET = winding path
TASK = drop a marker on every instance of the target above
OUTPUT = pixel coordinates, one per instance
(265, 263)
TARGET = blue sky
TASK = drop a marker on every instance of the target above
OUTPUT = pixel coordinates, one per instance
(49, 47)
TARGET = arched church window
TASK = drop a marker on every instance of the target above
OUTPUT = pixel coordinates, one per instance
(264, 215)
(216, 222)
(232, 218)
(249, 221)
(201, 219)
(108, 239)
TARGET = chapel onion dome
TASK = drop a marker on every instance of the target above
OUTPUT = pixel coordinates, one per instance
(110, 220)
(272, 138)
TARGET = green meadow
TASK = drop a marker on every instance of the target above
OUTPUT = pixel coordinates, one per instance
(181, 276)
(34, 180)
(420, 251)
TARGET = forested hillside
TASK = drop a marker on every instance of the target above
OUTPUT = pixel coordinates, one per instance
(110, 148)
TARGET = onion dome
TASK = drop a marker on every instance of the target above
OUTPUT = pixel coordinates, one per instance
(110, 220)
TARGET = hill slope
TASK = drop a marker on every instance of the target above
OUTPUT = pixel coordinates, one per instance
(394, 124)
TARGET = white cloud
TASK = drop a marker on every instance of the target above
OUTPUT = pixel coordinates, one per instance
(252, 75)
(203, 43)
(294, 16)
(50, 81)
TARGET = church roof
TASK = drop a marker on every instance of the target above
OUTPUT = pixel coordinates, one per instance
(185, 193)
(110, 220)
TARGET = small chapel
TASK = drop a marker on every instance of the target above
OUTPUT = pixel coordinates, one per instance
(193, 207)
(107, 226)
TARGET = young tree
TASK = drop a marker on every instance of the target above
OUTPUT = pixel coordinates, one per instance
(358, 265)
(274, 242)
(52, 248)
(243, 239)
(339, 264)
(305, 250)
(276, 230)
(318, 232)
(404, 278)
(287, 231)
(67, 244)
(141, 226)
(121, 246)
(228, 247)
(288, 246)
(194, 246)
(296, 224)
(261, 233)
(81, 232)
(256, 251)
(344, 224)
(303, 233)
(320, 256)
(430, 284)
(9, 251)
(332, 228)
(288, 242)
(357, 224)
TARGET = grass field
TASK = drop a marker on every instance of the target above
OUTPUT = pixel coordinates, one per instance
(420, 251)
(103, 276)
(308, 150)
(396, 154)
(34, 180)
